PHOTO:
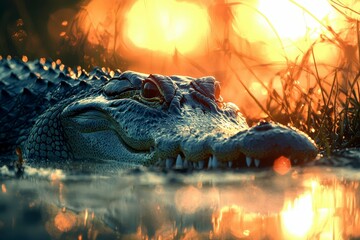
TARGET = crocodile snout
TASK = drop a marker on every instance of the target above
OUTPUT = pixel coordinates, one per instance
(258, 146)
(268, 141)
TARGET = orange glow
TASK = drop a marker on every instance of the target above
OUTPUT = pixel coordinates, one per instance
(56, 175)
(323, 210)
(65, 221)
(226, 215)
(86, 216)
(287, 19)
(297, 216)
(258, 88)
(294, 19)
(234, 222)
(284, 28)
(167, 25)
(282, 165)
(258, 40)
(24, 58)
(3, 188)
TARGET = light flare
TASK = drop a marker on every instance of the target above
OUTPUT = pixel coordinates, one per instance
(24, 58)
(86, 216)
(297, 216)
(287, 19)
(295, 19)
(284, 28)
(166, 26)
(282, 165)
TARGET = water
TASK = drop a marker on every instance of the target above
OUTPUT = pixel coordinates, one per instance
(86, 202)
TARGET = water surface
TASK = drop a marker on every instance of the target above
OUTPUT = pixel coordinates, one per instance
(107, 202)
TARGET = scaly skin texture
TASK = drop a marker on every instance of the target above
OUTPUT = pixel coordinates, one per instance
(54, 114)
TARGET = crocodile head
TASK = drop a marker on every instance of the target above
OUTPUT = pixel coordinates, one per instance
(173, 122)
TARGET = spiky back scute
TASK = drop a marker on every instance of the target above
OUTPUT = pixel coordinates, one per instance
(30, 89)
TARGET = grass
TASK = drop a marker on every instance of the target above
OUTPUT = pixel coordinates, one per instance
(329, 108)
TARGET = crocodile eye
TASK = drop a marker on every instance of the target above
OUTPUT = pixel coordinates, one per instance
(150, 90)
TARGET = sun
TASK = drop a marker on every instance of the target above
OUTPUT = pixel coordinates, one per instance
(166, 25)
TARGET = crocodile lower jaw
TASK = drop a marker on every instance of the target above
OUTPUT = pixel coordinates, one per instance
(213, 163)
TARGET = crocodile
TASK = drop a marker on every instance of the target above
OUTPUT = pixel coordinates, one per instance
(55, 113)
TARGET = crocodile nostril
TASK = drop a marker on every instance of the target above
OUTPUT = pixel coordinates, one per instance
(263, 126)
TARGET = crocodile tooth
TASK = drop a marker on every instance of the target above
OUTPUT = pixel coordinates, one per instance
(248, 161)
(179, 162)
(201, 164)
(169, 162)
(257, 162)
(215, 162)
(230, 163)
(210, 162)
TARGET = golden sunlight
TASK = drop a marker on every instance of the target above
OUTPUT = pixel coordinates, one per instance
(318, 209)
(297, 216)
(295, 19)
(285, 19)
(167, 26)
(287, 28)
(256, 40)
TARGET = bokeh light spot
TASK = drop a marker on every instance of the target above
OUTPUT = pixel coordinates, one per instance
(282, 165)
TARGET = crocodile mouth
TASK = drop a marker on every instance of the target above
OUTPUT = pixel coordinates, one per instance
(91, 123)
(212, 162)
(241, 162)
(260, 146)
(100, 132)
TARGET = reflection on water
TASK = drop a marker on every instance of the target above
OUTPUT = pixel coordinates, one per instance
(322, 210)
(297, 216)
(305, 203)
